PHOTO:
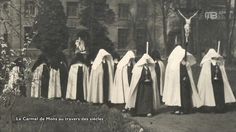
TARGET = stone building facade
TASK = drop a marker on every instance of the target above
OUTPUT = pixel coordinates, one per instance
(136, 22)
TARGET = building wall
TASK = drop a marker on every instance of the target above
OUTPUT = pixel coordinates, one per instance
(152, 24)
(154, 29)
(18, 23)
(72, 21)
(16, 33)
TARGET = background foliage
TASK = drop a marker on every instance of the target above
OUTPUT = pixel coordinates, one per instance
(50, 25)
(94, 16)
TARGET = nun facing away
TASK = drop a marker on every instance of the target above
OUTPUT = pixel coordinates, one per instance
(179, 87)
(50, 77)
(40, 79)
(78, 79)
(58, 76)
(122, 79)
(213, 85)
(143, 97)
(101, 78)
(160, 71)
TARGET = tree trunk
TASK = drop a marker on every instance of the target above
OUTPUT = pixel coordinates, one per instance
(164, 22)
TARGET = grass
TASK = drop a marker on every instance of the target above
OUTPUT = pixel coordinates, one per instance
(113, 121)
(107, 119)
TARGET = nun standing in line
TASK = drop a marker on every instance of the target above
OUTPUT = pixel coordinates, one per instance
(213, 85)
(40, 79)
(78, 74)
(58, 76)
(122, 79)
(179, 88)
(160, 71)
(143, 98)
(101, 78)
(78, 79)
(50, 76)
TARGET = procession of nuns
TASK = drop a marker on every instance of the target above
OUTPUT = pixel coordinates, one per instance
(140, 86)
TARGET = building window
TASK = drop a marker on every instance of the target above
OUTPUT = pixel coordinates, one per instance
(72, 9)
(142, 11)
(141, 35)
(122, 38)
(30, 8)
(141, 39)
(123, 11)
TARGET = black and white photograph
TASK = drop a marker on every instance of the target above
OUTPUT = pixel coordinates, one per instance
(117, 65)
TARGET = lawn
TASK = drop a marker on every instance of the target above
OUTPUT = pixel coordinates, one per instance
(27, 115)
(67, 116)
(195, 122)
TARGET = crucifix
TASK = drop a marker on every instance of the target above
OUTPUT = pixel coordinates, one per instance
(187, 26)
(187, 30)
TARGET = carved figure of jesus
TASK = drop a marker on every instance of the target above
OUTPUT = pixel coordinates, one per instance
(187, 26)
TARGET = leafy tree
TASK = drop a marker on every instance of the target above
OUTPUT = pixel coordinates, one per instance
(50, 25)
(95, 15)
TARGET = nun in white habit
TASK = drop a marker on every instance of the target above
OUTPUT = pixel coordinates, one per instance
(143, 96)
(101, 78)
(180, 90)
(78, 79)
(36, 81)
(40, 79)
(122, 79)
(213, 85)
(160, 70)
